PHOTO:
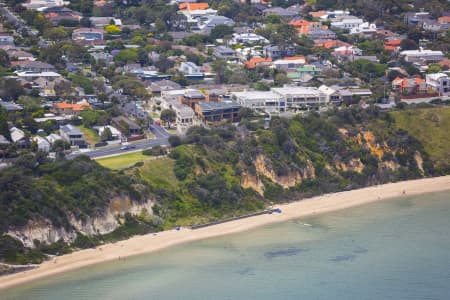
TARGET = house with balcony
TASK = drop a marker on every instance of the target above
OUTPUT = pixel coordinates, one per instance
(191, 71)
(87, 34)
(217, 112)
(72, 135)
(438, 82)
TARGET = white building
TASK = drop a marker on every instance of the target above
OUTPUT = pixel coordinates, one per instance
(258, 100)
(185, 116)
(422, 55)
(300, 97)
(189, 68)
(42, 144)
(289, 63)
(41, 4)
(438, 82)
(347, 23)
(116, 134)
(53, 137)
(365, 28)
(249, 38)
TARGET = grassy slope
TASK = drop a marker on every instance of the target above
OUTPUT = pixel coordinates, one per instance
(431, 127)
(89, 135)
(122, 161)
(160, 173)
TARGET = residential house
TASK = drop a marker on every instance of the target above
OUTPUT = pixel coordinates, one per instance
(53, 137)
(72, 135)
(432, 25)
(330, 43)
(36, 67)
(248, 38)
(210, 22)
(347, 52)
(185, 116)
(42, 144)
(103, 56)
(10, 106)
(20, 55)
(289, 63)
(191, 71)
(336, 94)
(164, 85)
(6, 39)
(275, 52)
(281, 12)
(300, 97)
(191, 97)
(347, 23)
(392, 45)
(102, 22)
(63, 108)
(18, 137)
(216, 112)
(224, 52)
(416, 18)
(263, 101)
(42, 4)
(304, 72)
(444, 21)
(126, 126)
(258, 62)
(116, 134)
(304, 27)
(438, 82)
(321, 34)
(409, 86)
(422, 56)
(57, 14)
(87, 34)
(364, 29)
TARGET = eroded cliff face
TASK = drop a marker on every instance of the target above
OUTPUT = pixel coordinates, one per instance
(263, 167)
(45, 232)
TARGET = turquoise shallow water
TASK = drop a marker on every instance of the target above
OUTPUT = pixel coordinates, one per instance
(396, 249)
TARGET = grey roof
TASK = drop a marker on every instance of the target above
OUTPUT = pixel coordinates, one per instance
(282, 12)
(38, 65)
(70, 129)
(10, 106)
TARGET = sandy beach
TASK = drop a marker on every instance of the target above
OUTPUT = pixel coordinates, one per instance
(151, 242)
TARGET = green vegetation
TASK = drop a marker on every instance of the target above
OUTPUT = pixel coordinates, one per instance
(89, 135)
(225, 171)
(431, 127)
(122, 161)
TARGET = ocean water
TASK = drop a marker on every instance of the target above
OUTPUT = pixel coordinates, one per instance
(397, 249)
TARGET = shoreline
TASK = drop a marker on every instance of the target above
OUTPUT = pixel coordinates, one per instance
(155, 242)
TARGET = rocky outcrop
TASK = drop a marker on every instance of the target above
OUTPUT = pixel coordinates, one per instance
(354, 165)
(264, 168)
(45, 232)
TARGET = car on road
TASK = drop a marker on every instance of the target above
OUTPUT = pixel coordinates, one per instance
(127, 147)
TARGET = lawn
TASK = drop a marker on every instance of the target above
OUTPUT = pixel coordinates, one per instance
(160, 172)
(122, 161)
(89, 135)
(431, 127)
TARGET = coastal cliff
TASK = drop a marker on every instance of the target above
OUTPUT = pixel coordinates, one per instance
(221, 172)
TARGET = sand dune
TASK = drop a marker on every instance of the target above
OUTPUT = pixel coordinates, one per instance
(151, 242)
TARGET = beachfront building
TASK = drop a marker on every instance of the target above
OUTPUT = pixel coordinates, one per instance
(265, 101)
(300, 97)
(216, 112)
(438, 82)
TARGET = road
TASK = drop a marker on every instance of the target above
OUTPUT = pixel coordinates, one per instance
(161, 139)
(15, 20)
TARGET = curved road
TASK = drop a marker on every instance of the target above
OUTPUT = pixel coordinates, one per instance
(161, 139)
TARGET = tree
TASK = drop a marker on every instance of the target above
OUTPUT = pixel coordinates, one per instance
(434, 68)
(126, 56)
(10, 89)
(174, 140)
(408, 44)
(106, 135)
(168, 116)
(63, 88)
(112, 29)
(4, 58)
(281, 79)
(55, 33)
(220, 31)
(4, 130)
(273, 19)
